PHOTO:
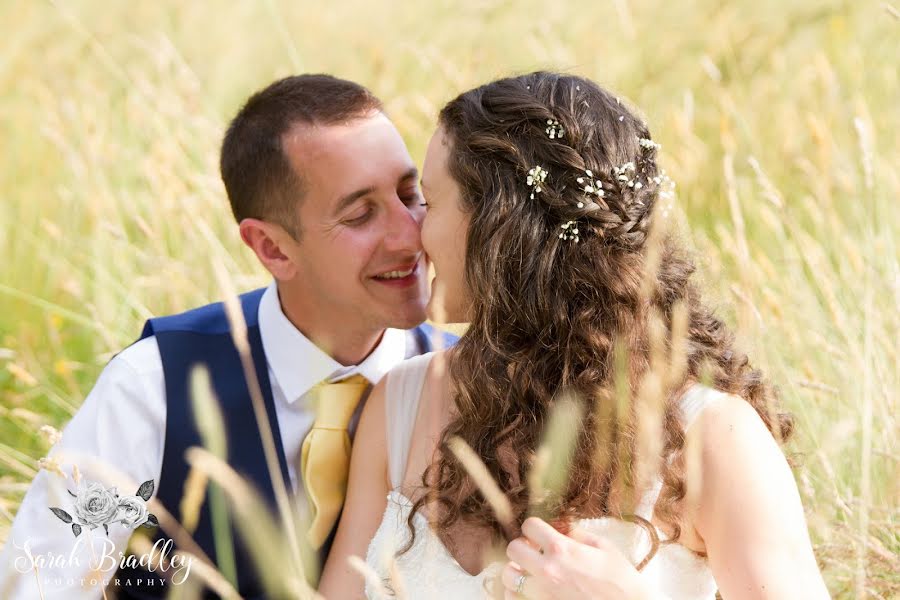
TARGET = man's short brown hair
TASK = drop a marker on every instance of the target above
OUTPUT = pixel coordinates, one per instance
(258, 177)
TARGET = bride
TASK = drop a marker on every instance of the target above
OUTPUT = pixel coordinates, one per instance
(541, 191)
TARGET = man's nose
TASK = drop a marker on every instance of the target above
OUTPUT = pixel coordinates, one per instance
(404, 233)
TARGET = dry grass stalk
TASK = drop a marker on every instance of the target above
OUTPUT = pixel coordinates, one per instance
(482, 478)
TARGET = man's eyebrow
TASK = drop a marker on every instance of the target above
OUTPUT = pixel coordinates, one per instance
(412, 173)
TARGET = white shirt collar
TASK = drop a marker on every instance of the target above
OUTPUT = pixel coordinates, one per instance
(297, 364)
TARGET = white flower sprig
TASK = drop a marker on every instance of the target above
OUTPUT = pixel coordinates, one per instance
(592, 186)
(665, 183)
(666, 193)
(536, 176)
(648, 143)
(569, 231)
(554, 129)
(626, 174)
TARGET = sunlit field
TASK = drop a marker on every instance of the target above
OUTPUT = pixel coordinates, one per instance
(778, 121)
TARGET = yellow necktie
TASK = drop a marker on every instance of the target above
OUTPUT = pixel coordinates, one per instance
(325, 454)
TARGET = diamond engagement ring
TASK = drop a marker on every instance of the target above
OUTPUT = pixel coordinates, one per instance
(520, 583)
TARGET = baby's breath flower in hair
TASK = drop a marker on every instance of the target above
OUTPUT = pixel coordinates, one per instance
(666, 193)
(554, 129)
(667, 186)
(536, 176)
(648, 143)
(590, 186)
(625, 174)
(569, 231)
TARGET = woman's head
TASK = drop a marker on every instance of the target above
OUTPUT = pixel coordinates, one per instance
(550, 306)
(476, 179)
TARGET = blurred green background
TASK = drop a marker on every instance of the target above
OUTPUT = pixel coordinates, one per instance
(778, 120)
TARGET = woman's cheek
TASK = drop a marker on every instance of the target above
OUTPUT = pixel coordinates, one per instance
(425, 233)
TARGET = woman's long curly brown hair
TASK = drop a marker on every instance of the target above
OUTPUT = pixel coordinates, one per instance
(547, 313)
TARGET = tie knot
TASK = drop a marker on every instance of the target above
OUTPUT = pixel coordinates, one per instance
(335, 402)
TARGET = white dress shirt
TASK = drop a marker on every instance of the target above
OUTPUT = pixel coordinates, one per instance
(122, 423)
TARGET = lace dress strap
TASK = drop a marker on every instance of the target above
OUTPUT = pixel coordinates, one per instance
(693, 401)
(403, 390)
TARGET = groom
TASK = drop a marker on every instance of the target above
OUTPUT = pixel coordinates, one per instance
(326, 195)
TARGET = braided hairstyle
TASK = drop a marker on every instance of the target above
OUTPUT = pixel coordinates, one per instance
(547, 313)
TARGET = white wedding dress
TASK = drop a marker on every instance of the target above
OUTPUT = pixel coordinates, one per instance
(427, 570)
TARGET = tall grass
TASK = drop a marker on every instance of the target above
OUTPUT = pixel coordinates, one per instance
(778, 120)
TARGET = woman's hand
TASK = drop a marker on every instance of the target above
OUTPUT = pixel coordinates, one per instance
(559, 567)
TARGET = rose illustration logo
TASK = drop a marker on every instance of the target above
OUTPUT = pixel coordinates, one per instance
(132, 511)
(96, 505)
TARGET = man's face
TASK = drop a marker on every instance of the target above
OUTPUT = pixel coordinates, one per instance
(359, 257)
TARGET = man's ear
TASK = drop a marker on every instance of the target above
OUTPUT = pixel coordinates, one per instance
(268, 241)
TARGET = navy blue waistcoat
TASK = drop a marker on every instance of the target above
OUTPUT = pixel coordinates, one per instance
(202, 336)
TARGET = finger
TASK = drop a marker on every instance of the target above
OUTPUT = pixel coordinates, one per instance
(531, 543)
(579, 534)
(540, 532)
(520, 551)
(510, 576)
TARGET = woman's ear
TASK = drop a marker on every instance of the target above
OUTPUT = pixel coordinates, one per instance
(272, 246)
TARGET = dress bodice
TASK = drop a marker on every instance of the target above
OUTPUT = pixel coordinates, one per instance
(428, 570)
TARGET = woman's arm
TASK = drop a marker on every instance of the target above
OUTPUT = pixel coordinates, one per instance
(365, 503)
(746, 508)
